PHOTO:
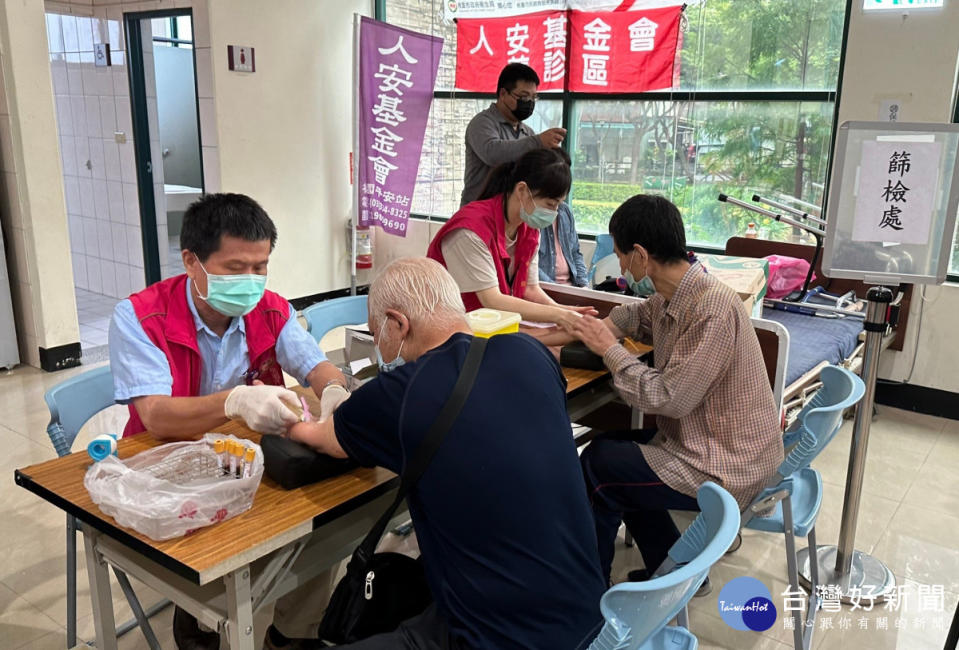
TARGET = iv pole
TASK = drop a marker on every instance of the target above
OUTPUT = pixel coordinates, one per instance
(858, 575)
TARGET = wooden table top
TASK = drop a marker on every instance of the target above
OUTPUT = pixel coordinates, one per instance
(275, 511)
(578, 379)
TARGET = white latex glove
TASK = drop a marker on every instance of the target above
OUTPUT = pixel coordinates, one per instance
(262, 407)
(331, 397)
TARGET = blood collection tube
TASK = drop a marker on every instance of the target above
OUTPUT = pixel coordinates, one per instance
(238, 460)
(231, 451)
(248, 459)
(219, 446)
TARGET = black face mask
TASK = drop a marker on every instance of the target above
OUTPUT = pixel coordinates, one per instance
(524, 108)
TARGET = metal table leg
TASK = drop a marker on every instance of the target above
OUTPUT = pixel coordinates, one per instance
(239, 600)
(99, 576)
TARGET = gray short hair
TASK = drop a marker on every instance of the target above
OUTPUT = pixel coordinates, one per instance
(419, 288)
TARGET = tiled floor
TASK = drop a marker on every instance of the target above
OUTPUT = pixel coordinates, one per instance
(909, 519)
(94, 311)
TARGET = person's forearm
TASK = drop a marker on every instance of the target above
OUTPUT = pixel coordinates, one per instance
(181, 418)
(535, 293)
(494, 151)
(531, 311)
(553, 337)
(321, 376)
(319, 436)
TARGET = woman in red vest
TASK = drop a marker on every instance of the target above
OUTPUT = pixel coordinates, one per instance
(490, 245)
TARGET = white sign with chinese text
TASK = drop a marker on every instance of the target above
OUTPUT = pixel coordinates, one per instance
(896, 194)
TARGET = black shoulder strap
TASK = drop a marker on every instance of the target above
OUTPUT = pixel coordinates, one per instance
(428, 448)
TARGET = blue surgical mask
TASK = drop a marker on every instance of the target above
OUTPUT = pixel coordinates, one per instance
(395, 363)
(642, 288)
(539, 218)
(233, 295)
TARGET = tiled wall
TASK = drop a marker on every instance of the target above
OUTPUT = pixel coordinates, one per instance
(93, 104)
(99, 174)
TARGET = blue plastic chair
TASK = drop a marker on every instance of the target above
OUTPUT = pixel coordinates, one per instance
(329, 314)
(72, 403)
(794, 495)
(604, 248)
(637, 613)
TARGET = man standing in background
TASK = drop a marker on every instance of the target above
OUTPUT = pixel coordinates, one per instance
(497, 135)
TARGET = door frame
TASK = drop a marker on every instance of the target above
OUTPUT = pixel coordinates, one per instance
(143, 153)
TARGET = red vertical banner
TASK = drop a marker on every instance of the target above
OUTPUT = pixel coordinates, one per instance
(624, 51)
(485, 45)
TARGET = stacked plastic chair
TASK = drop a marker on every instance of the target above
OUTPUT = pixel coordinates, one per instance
(637, 614)
(791, 502)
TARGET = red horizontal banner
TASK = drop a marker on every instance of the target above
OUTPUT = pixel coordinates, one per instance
(610, 51)
(485, 45)
(624, 51)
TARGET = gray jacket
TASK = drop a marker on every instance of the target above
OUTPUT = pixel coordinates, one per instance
(490, 141)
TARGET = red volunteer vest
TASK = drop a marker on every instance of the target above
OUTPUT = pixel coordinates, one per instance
(486, 219)
(166, 318)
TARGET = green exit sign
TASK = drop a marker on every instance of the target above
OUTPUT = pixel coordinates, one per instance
(901, 4)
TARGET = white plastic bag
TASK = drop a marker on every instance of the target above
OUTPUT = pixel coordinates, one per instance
(173, 489)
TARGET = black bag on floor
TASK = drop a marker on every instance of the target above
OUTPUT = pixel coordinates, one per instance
(381, 590)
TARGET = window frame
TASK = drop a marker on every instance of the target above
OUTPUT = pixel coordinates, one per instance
(569, 98)
(950, 276)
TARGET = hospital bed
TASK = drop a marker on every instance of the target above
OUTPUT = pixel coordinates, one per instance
(815, 341)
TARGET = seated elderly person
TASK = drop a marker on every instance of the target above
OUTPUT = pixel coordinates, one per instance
(715, 414)
(501, 512)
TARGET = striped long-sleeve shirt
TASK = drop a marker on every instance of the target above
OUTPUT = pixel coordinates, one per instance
(708, 387)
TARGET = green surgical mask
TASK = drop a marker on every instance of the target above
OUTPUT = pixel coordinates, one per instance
(539, 218)
(233, 295)
(644, 287)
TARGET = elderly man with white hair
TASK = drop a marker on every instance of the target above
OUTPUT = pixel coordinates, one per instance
(501, 513)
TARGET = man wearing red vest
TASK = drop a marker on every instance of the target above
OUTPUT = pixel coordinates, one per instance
(193, 351)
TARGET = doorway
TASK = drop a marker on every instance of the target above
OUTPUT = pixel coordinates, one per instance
(166, 127)
(127, 119)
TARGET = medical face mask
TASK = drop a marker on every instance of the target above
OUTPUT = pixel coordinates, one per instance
(644, 287)
(233, 295)
(395, 363)
(539, 218)
(524, 108)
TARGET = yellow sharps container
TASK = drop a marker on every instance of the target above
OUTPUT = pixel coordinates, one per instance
(490, 322)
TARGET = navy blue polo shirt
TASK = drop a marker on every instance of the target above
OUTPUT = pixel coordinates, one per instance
(501, 513)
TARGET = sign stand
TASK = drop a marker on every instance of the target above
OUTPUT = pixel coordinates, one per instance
(857, 574)
(880, 234)
(876, 235)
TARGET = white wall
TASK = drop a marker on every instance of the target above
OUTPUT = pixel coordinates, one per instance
(33, 213)
(284, 131)
(912, 57)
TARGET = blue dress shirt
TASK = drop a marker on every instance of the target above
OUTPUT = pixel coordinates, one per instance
(140, 368)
